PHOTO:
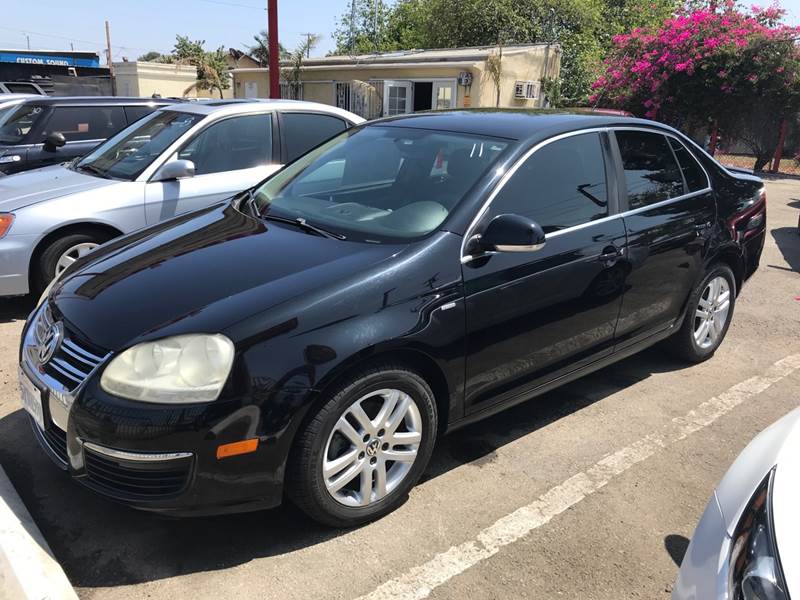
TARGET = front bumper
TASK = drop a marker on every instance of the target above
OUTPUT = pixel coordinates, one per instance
(15, 256)
(704, 571)
(154, 457)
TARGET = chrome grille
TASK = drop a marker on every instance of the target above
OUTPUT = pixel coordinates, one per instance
(72, 362)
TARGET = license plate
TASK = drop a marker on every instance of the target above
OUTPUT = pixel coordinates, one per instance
(31, 398)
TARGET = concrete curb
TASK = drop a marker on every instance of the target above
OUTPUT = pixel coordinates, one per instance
(28, 568)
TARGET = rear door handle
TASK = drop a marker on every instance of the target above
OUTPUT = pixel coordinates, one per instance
(610, 254)
(703, 226)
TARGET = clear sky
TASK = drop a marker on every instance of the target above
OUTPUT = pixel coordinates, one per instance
(141, 25)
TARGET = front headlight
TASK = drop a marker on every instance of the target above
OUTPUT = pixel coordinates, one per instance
(176, 370)
(755, 570)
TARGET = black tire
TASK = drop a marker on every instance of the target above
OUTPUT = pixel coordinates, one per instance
(45, 267)
(682, 343)
(305, 483)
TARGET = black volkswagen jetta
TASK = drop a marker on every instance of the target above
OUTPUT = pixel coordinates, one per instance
(313, 336)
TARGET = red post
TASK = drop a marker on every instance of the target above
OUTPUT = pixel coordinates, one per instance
(272, 34)
(776, 162)
(712, 142)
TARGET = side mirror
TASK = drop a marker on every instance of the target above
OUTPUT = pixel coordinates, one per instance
(512, 233)
(54, 140)
(174, 169)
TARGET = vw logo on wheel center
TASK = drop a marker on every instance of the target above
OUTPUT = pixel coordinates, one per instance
(49, 343)
(372, 447)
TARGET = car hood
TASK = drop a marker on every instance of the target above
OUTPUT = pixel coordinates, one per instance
(201, 272)
(39, 185)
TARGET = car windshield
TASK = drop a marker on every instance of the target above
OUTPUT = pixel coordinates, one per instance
(127, 154)
(380, 183)
(16, 121)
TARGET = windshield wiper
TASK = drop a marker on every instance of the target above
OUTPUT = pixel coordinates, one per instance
(303, 224)
(93, 170)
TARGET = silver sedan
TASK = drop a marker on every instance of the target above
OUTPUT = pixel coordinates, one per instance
(746, 545)
(178, 159)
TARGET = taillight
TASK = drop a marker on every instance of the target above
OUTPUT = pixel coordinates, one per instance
(749, 221)
(6, 219)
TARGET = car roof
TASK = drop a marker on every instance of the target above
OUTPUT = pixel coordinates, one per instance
(96, 100)
(514, 124)
(240, 106)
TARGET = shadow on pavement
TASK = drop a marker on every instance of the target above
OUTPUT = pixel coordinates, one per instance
(16, 309)
(102, 544)
(676, 546)
(788, 241)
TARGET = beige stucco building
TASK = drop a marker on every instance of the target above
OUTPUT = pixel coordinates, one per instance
(408, 81)
(171, 80)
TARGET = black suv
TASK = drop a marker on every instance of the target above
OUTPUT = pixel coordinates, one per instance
(46, 131)
(313, 337)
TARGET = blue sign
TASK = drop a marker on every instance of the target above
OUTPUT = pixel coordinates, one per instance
(22, 58)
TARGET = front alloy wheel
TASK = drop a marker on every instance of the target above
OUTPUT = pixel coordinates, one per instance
(367, 458)
(72, 254)
(365, 447)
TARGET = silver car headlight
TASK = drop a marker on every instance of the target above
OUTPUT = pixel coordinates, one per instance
(176, 370)
(754, 568)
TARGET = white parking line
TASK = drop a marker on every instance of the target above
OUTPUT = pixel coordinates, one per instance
(420, 581)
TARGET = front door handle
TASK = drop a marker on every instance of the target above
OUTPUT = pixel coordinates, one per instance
(701, 227)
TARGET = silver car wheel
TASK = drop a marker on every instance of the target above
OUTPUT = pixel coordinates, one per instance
(366, 457)
(72, 254)
(712, 311)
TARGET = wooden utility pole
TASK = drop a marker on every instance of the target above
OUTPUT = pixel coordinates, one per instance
(109, 60)
(272, 36)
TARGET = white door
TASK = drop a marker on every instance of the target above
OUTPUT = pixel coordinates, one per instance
(444, 95)
(229, 156)
(397, 98)
(251, 89)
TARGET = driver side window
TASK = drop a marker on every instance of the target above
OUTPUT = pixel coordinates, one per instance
(231, 144)
(561, 185)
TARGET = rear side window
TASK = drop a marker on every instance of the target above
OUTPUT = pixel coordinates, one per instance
(303, 131)
(651, 173)
(134, 113)
(80, 123)
(693, 173)
(561, 185)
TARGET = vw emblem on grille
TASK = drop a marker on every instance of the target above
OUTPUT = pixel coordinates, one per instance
(49, 342)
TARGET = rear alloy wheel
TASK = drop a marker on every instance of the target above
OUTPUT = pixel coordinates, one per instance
(365, 448)
(711, 314)
(708, 316)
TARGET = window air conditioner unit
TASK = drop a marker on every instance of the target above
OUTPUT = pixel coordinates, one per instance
(526, 90)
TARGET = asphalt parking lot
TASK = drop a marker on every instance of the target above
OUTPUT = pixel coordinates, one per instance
(588, 492)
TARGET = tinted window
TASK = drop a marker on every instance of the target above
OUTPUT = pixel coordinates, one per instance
(693, 173)
(303, 131)
(21, 88)
(651, 173)
(561, 185)
(381, 183)
(16, 123)
(79, 123)
(134, 113)
(232, 144)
